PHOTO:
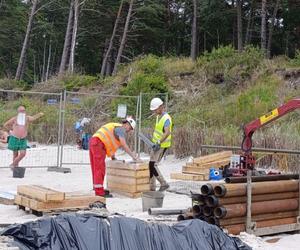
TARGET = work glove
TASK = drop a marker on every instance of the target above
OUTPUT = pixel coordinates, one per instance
(156, 147)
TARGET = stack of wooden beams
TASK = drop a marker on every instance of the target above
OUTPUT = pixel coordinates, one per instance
(198, 170)
(40, 200)
(274, 203)
(128, 178)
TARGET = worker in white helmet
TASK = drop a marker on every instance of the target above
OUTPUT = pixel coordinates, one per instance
(162, 141)
(105, 142)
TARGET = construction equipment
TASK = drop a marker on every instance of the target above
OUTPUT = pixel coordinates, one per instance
(247, 159)
(148, 142)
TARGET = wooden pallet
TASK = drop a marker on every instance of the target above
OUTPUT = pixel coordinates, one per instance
(51, 212)
(129, 179)
(42, 200)
(40, 193)
(187, 177)
(71, 202)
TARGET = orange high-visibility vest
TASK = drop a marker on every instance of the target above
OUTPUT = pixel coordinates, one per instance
(106, 135)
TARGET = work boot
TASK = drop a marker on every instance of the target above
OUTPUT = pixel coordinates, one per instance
(163, 184)
(152, 183)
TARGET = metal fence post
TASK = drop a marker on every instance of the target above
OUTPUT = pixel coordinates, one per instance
(63, 110)
(140, 123)
(249, 201)
(59, 129)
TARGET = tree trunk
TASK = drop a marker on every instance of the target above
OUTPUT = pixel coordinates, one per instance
(263, 26)
(249, 22)
(123, 41)
(233, 25)
(48, 62)
(22, 59)
(271, 28)
(239, 25)
(65, 55)
(74, 35)
(107, 54)
(44, 61)
(194, 32)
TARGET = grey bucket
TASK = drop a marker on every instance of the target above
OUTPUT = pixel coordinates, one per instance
(152, 199)
(18, 172)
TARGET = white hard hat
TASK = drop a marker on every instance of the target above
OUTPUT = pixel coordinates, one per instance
(155, 103)
(131, 122)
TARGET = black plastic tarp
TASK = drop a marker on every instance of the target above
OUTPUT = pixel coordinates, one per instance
(89, 232)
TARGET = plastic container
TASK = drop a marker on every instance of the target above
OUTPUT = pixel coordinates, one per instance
(215, 174)
(18, 172)
(152, 199)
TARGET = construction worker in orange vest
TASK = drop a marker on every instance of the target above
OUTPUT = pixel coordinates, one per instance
(105, 142)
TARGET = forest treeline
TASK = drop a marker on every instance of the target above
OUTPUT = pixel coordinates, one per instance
(43, 38)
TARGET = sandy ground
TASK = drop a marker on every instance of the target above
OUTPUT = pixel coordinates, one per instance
(80, 180)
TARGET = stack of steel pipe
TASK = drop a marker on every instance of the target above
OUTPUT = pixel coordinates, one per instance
(273, 203)
(199, 208)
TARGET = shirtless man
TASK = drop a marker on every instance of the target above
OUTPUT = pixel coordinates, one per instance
(19, 128)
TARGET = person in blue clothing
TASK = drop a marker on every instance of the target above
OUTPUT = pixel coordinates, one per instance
(82, 138)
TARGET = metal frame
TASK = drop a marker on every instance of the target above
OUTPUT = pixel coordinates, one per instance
(138, 119)
(251, 226)
(59, 120)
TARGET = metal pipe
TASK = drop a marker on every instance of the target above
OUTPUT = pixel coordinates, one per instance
(103, 95)
(180, 217)
(261, 207)
(240, 189)
(259, 217)
(213, 201)
(266, 150)
(207, 211)
(164, 211)
(197, 210)
(238, 228)
(207, 189)
(276, 177)
(29, 92)
(249, 201)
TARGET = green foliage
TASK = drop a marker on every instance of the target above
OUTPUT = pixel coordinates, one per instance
(296, 61)
(225, 64)
(9, 84)
(74, 82)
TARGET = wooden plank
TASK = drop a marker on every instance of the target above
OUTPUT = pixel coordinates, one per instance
(213, 157)
(74, 202)
(40, 193)
(127, 165)
(127, 180)
(215, 164)
(187, 177)
(195, 170)
(114, 186)
(128, 173)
